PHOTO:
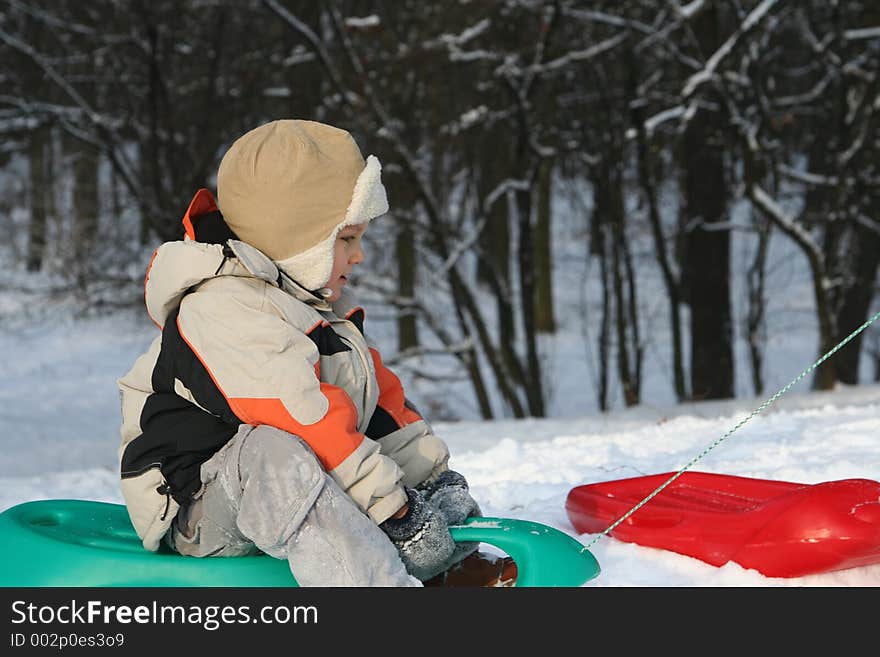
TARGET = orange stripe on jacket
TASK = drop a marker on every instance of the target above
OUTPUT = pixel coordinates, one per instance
(147, 280)
(333, 438)
(354, 310)
(391, 396)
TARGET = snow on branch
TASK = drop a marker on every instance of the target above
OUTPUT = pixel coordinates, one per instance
(862, 33)
(508, 185)
(467, 35)
(662, 117)
(454, 42)
(781, 218)
(52, 74)
(464, 245)
(362, 22)
(858, 142)
(13, 122)
(608, 19)
(751, 21)
(51, 20)
(690, 9)
(457, 251)
(468, 119)
(103, 133)
(807, 177)
(29, 111)
(314, 41)
(806, 98)
(870, 224)
(299, 55)
(717, 226)
(456, 55)
(399, 359)
(472, 116)
(579, 55)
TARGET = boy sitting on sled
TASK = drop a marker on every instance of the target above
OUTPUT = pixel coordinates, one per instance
(262, 419)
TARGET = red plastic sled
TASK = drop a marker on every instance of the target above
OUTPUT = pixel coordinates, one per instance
(778, 528)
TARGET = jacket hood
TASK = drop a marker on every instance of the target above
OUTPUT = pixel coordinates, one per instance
(177, 267)
(208, 250)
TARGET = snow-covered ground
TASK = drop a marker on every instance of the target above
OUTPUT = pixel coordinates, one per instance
(59, 420)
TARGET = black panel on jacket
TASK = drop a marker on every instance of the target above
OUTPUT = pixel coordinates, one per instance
(211, 228)
(357, 318)
(381, 424)
(327, 340)
(179, 436)
(177, 361)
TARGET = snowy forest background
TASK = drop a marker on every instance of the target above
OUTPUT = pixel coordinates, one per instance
(595, 205)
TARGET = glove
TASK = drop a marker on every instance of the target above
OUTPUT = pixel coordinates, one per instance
(449, 494)
(421, 537)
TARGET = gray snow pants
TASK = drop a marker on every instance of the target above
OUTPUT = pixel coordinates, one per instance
(266, 491)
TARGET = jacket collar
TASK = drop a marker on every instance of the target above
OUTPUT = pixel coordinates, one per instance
(262, 266)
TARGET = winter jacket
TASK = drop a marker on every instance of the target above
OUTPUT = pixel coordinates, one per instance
(242, 344)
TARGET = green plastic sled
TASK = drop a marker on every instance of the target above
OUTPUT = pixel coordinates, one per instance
(86, 543)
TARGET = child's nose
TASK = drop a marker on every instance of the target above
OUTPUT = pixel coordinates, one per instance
(357, 256)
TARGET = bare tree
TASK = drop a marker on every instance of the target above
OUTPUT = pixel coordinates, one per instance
(668, 114)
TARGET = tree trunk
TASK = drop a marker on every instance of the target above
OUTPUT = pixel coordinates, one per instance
(41, 189)
(633, 392)
(494, 267)
(671, 280)
(856, 302)
(404, 213)
(85, 200)
(407, 327)
(859, 250)
(706, 269)
(628, 366)
(545, 321)
(151, 168)
(532, 382)
(755, 327)
(462, 298)
(818, 208)
(598, 247)
(707, 266)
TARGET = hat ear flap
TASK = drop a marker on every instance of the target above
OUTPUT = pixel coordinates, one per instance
(312, 267)
(369, 199)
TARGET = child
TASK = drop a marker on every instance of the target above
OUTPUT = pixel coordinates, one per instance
(261, 419)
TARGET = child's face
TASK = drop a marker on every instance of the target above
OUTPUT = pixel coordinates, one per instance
(347, 252)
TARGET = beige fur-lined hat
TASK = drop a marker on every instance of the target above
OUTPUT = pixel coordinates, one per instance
(288, 187)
